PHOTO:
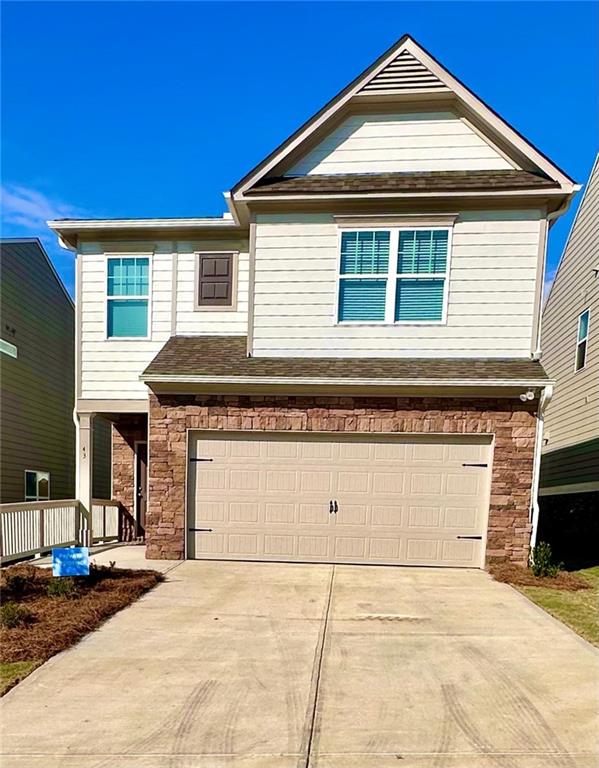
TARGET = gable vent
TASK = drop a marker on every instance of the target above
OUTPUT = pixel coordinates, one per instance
(404, 73)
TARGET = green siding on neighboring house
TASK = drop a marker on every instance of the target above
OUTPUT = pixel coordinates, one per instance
(571, 466)
(36, 386)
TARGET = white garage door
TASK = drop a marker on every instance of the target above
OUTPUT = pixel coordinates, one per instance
(340, 499)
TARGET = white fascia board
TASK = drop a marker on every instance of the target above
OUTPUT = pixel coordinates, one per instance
(81, 225)
(383, 195)
(167, 378)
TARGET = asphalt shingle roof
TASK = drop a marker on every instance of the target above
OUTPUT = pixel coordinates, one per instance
(421, 181)
(225, 356)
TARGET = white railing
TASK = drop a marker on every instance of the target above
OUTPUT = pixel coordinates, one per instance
(105, 519)
(33, 527)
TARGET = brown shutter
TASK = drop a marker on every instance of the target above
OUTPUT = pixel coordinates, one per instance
(215, 280)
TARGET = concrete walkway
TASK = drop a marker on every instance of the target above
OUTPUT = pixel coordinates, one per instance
(273, 666)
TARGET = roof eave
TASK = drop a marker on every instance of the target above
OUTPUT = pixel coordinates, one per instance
(155, 378)
(539, 192)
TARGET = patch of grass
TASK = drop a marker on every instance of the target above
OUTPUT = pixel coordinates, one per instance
(12, 672)
(46, 615)
(578, 609)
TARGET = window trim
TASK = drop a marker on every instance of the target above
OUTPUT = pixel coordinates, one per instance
(392, 275)
(7, 348)
(580, 341)
(148, 298)
(197, 307)
(36, 472)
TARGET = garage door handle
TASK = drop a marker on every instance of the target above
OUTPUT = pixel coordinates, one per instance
(335, 507)
(201, 529)
(479, 538)
(331, 510)
(475, 465)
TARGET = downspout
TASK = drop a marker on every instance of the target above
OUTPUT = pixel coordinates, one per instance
(544, 400)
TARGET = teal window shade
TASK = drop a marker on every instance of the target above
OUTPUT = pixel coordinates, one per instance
(362, 299)
(419, 300)
(423, 251)
(363, 253)
(128, 277)
(128, 317)
(128, 290)
(583, 325)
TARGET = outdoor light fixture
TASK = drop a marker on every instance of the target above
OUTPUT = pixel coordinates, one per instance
(528, 395)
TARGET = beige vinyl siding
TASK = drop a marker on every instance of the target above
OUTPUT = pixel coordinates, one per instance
(110, 367)
(191, 321)
(418, 141)
(573, 414)
(491, 291)
(37, 387)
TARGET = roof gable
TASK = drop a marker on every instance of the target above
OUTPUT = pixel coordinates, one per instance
(406, 70)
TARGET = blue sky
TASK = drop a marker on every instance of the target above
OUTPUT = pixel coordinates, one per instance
(154, 109)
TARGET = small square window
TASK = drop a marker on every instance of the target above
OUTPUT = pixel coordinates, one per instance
(37, 485)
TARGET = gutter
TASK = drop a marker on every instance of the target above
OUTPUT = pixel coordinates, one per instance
(167, 378)
(544, 401)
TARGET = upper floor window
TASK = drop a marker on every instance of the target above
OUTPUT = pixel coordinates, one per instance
(37, 485)
(582, 340)
(127, 294)
(394, 276)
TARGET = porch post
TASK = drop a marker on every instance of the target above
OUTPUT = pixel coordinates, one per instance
(85, 442)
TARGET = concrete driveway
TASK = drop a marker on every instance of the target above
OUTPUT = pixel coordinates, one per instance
(273, 666)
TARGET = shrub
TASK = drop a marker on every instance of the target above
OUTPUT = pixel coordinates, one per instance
(13, 615)
(541, 560)
(61, 587)
(20, 580)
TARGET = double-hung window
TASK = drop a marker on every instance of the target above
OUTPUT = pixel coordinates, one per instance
(582, 340)
(393, 275)
(127, 297)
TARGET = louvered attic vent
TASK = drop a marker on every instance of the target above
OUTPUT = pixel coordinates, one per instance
(404, 73)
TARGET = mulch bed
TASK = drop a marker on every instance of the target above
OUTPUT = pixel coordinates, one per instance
(52, 623)
(510, 573)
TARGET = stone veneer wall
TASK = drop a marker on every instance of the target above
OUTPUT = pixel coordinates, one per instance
(512, 422)
(125, 432)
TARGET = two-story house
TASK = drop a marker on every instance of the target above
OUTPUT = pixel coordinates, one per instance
(345, 366)
(569, 480)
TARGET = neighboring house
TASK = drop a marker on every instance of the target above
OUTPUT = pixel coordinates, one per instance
(569, 484)
(344, 367)
(37, 380)
(37, 377)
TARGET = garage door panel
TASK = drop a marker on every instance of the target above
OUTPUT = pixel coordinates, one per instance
(398, 499)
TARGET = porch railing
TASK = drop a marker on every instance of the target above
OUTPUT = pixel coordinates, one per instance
(105, 519)
(33, 527)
